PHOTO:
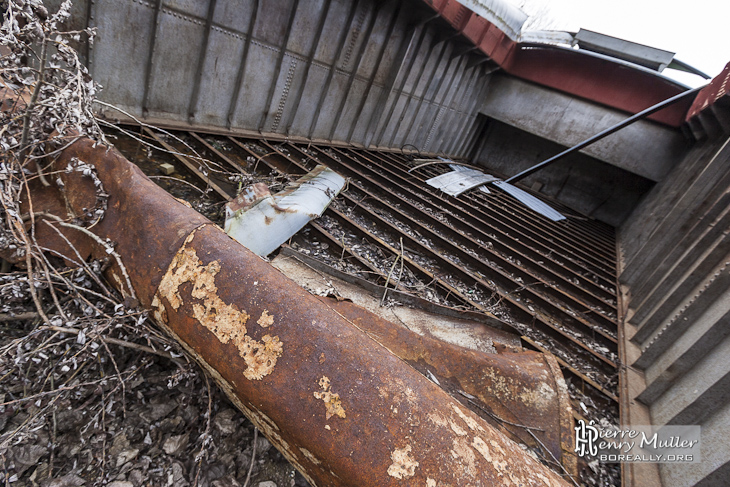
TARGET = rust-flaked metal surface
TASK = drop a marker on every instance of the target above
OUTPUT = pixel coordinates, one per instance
(336, 403)
(514, 388)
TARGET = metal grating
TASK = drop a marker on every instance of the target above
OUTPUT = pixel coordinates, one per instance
(554, 282)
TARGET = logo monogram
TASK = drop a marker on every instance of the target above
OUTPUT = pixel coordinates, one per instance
(585, 438)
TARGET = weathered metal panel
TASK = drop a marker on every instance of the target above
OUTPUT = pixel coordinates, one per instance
(423, 56)
(197, 8)
(348, 60)
(276, 15)
(155, 72)
(305, 24)
(391, 128)
(234, 15)
(399, 136)
(221, 67)
(123, 80)
(452, 122)
(344, 112)
(434, 72)
(290, 74)
(437, 106)
(333, 27)
(174, 65)
(310, 95)
(369, 107)
(441, 125)
(353, 95)
(330, 103)
(257, 80)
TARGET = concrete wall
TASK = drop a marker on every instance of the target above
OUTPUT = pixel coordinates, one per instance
(529, 123)
(676, 280)
(358, 71)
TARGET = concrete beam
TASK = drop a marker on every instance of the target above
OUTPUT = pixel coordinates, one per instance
(644, 148)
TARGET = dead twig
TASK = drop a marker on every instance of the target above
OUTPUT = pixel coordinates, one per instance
(206, 433)
(114, 341)
(390, 273)
(253, 457)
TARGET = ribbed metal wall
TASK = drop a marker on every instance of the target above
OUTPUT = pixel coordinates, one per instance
(676, 261)
(379, 74)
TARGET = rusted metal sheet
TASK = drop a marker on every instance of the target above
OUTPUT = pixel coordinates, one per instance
(711, 94)
(336, 403)
(524, 388)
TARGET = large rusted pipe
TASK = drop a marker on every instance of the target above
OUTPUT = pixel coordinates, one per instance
(340, 406)
(512, 388)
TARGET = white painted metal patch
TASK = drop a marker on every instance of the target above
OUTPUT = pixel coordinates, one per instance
(261, 222)
(459, 181)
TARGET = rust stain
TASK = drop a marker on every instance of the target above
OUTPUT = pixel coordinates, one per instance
(403, 465)
(226, 321)
(331, 400)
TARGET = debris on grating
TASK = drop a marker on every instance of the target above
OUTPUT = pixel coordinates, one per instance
(262, 222)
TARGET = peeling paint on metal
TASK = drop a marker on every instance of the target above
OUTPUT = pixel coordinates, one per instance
(225, 321)
(331, 400)
(266, 319)
(470, 422)
(310, 456)
(462, 453)
(502, 386)
(403, 465)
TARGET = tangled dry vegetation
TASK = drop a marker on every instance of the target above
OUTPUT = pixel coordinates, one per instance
(91, 392)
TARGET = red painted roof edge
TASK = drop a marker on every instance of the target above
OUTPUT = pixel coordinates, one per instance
(599, 79)
(709, 95)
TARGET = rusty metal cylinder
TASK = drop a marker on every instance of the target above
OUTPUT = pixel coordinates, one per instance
(338, 404)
